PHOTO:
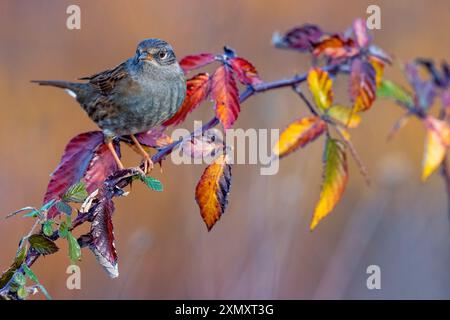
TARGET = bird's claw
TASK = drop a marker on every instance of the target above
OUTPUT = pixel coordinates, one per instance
(148, 164)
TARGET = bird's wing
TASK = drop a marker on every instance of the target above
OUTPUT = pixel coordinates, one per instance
(105, 81)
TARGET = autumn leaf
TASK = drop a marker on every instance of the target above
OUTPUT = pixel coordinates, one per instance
(360, 31)
(336, 47)
(73, 165)
(344, 116)
(335, 177)
(212, 191)
(198, 88)
(192, 62)
(225, 94)
(300, 38)
(424, 90)
(378, 66)
(320, 85)
(245, 71)
(298, 134)
(436, 143)
(103, 236)
(362, 85)
(100, 167)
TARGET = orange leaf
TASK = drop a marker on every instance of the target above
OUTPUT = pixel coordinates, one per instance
(245, 71)
(225, 93)
(362, 85)
(436, 144)
(335, 177)
(197, 90)
(298, 134)
(336, 47)
(212, 191)
(320, 85)
(189, 63)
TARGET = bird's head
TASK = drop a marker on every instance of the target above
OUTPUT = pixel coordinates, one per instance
(155, 52)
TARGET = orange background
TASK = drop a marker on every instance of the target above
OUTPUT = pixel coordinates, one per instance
(261, 248)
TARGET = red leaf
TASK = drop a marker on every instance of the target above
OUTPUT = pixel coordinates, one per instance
(198, 88)
(245, 71)
(103, 236)
(225, 93)
(73, 165)
(300, 38)
(189, 63)
(155, 138)
(212, 191)
(100, 167)
(336, 47)
(362, 85)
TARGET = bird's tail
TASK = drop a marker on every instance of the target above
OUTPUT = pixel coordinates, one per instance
(73, 88)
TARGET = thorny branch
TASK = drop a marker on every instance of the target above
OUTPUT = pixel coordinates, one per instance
(121, 179)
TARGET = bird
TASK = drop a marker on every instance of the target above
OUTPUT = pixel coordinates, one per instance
(135, 96)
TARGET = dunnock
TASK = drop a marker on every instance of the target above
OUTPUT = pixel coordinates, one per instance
(135, 96)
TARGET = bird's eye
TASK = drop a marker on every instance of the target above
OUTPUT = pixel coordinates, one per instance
(162, 54)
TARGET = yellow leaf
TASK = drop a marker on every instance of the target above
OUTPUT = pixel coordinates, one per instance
(298, 134)
(212, 191)
(320, 85)
(378, 65)
(335, 177)
(344, 115)
(436, 143)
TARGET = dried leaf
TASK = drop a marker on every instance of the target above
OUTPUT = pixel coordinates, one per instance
(212, 191)
(245, 71)
(362, 85)
(198, 88)
(378, 66)
(225, 94)
(298, 134)
(320, 85)
(335, 177)
(192, 62)
(424, 90)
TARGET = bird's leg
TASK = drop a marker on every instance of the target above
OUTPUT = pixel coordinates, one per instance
(114, 154)
(148, 163)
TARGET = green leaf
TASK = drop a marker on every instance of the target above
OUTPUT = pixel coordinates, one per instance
(30, 274)
(32, 214)
(44, 291)
(22, 293)
(42, 244)
(64, 227)
(19, 278)
(48, 205)
(74, 248)
(153, 183)
(389, 89)
(76, 193)
(63, 207)
(19, 259)
(47, 228)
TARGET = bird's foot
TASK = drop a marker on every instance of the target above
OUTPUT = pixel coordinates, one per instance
(148, 164)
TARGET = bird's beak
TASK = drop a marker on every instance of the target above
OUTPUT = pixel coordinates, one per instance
(145, 56)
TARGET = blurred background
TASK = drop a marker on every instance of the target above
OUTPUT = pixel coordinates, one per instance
(262, 246)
